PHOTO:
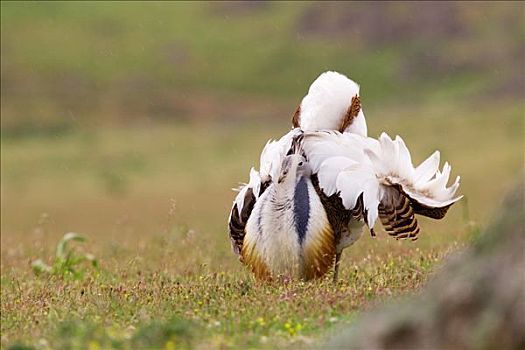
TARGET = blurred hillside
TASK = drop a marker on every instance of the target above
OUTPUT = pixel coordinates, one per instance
(82, 65)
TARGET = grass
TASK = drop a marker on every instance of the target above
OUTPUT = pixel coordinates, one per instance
(154, 205)
(132, 299)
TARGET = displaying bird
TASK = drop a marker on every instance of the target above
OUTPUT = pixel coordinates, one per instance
(356, 180)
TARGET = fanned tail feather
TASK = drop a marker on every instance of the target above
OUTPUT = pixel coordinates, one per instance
(407, 190)
(380, 173)
(425, 185)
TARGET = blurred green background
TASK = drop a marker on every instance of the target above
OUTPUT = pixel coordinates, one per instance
(125, 119)
(130, 122)
(69, 65)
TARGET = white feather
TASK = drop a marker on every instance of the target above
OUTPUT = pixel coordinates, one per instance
(326, 103)
(330, 170)
(371, 198)
(350, 185)
(426, 183)
(320, 146)
(426, 169)
(358, 126)
(273, 154)
(369, 166)
(378, 166)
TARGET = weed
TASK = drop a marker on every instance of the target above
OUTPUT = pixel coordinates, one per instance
(67, 262)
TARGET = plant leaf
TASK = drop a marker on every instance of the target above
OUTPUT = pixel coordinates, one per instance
(62, 244)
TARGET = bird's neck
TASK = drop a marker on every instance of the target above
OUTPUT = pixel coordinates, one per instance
(285, 190)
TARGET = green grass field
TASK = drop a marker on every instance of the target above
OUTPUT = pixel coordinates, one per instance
(104, 136)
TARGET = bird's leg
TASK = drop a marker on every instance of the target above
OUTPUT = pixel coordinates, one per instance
(336, 268)
(342, 241)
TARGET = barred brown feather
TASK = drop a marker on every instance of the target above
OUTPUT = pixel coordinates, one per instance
(397, 215)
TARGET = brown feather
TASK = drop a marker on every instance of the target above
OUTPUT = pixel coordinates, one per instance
(296, 118)
(319, 255)
(251, 259)
(351, 113)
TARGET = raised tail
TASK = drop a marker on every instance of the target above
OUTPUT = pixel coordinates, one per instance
(381, 171)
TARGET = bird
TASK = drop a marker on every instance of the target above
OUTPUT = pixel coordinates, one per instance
(356, 178)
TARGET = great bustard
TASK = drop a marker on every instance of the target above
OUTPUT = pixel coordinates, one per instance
(356, 179)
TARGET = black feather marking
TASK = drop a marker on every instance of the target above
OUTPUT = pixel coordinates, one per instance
(433, 213)
(264, 186)
(338, 216)
(301, 208)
